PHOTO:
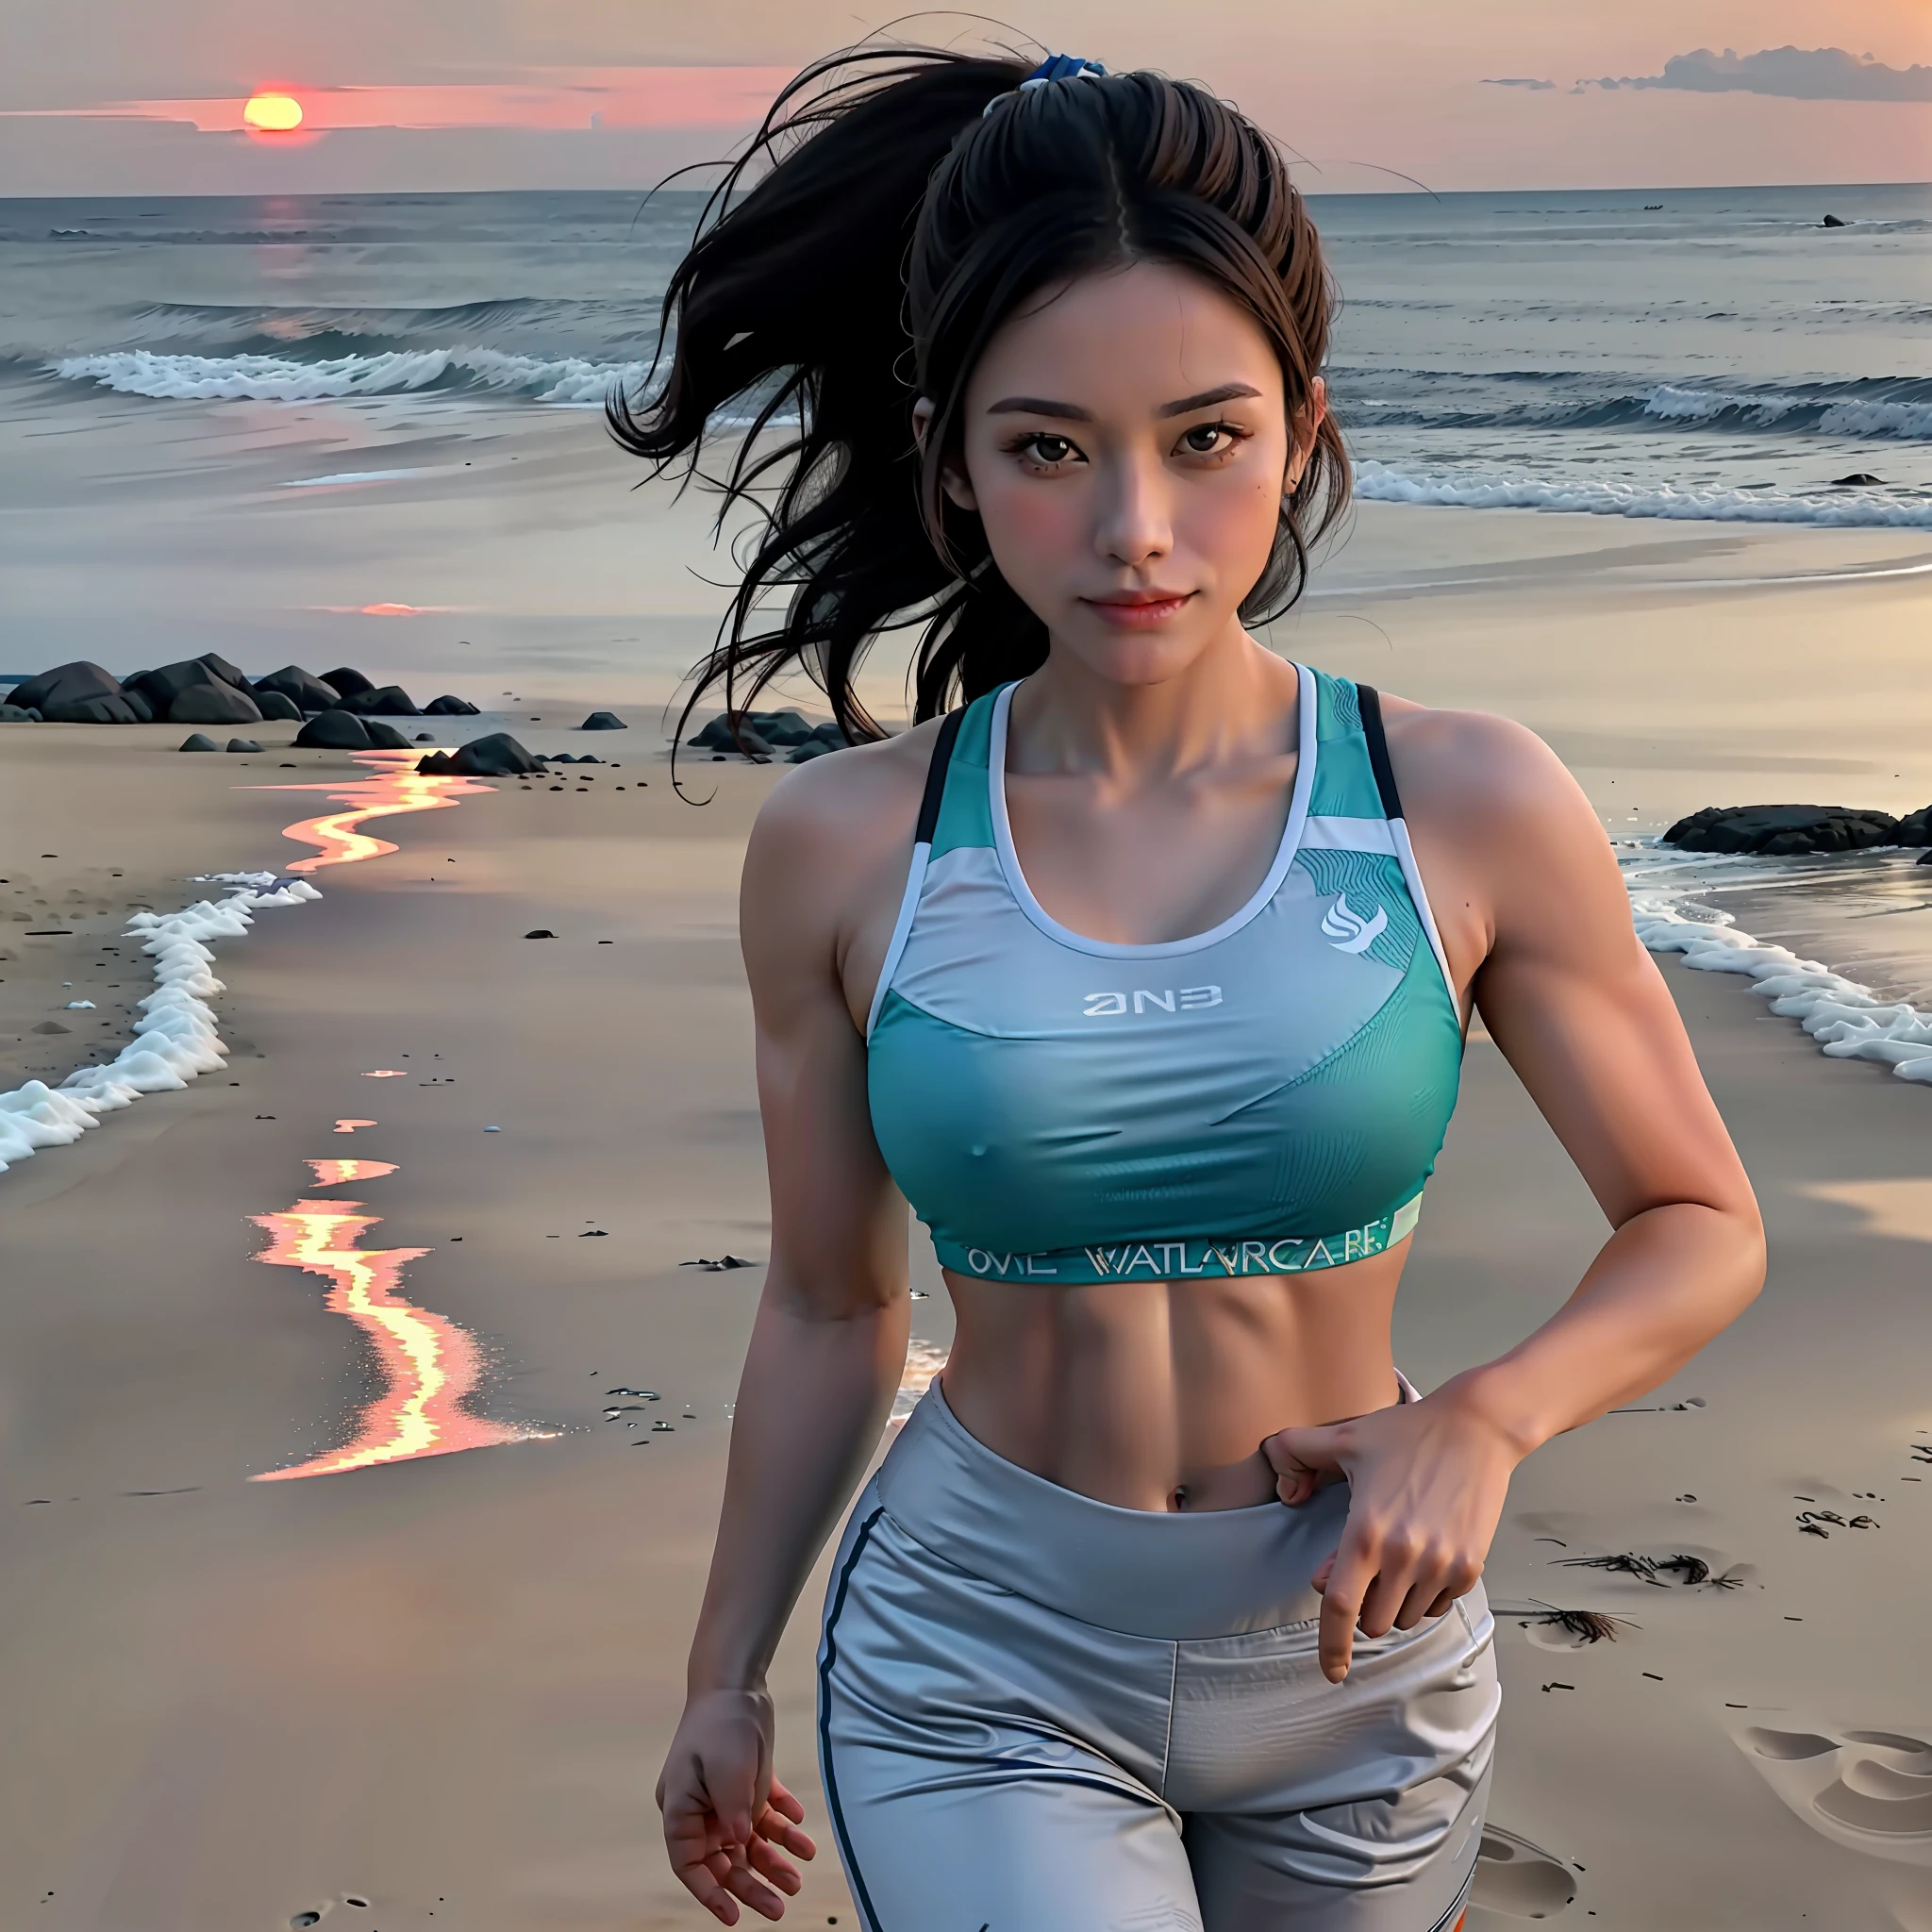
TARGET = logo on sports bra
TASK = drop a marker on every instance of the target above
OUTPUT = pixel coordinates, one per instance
(1347, 930)
(1107, 1006)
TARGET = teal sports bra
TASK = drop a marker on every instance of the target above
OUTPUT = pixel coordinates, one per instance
(1262, 1098)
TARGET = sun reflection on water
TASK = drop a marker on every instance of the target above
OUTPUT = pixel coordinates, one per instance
(430, 1367)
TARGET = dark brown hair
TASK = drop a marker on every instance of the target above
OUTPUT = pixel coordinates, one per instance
(903, 203)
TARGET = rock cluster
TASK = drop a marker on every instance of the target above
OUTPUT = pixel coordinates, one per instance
(762, 734)
(210, 690)
(1778, 831)
(499, 755)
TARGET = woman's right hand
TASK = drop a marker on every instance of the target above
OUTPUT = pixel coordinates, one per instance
(727, 1821)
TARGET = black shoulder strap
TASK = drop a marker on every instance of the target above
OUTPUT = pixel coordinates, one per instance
(1370, 701)
(935, 777)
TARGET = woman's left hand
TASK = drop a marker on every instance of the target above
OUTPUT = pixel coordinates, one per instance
(1426, 1485)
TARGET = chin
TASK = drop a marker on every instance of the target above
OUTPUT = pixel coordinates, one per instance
(1142, 660)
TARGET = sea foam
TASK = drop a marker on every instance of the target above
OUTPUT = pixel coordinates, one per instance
(1848, 1021)
(1603, 497)
(567, 381)
(175, 1040)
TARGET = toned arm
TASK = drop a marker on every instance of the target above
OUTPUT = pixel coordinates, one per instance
(1537, 925)
(828, 1343)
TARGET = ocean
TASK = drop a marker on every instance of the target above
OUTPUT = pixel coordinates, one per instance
(1707, 354)
(283, 421)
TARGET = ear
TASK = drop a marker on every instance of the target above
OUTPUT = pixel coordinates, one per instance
(1303, 430)
(953, 477)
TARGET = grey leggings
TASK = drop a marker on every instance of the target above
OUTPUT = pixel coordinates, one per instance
(1040, 1714)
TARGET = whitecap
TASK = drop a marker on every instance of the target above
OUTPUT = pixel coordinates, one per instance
(175, 1040)
(1847, 1020)
(1843, 509)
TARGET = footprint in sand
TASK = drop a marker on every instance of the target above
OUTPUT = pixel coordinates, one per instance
(1868, 1790)
(1517, 1879)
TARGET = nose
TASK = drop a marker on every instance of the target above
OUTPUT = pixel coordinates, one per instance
(1133, 523)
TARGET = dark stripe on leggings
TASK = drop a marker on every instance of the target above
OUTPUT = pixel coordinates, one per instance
(1449, 1921)
(825, 1663)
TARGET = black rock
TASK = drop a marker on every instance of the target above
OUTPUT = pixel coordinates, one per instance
(499, 755)
(334, 731)
(65, 683)
(1915, 829)
(161, 686)
(213, 704)
(276, 703)
(1831, 222)
(114, 709)
(52, 1027)
(812, 748)
(781, 728)
(137, 704)
(1926, 859)
(226, 672)
(243, 744)
(197, 741)
(1856, 480)
(447, 706)
(435, 762)
(426, 738)
(303, 689)
(344, 682)
(1780, 830)
(603, 721)
(18, 714)
(384, 736)
(540, 932)
(391, 701)
(717, 737)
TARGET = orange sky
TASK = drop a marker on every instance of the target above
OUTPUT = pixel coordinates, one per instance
(448, 94)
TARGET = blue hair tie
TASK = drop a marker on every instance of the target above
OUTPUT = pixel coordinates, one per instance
(1055, 67)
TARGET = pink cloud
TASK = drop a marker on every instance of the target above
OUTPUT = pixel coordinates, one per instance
(551, 98)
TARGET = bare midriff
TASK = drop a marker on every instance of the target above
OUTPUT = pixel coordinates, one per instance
(1157, 1394)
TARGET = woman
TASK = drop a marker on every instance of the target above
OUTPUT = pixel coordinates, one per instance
(1145, 978)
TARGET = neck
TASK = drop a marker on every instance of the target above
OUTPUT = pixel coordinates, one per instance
(1233, 702)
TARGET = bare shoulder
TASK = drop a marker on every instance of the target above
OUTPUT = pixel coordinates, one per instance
(838, 813)
(1515, 856)
(1482, 776)
(829, 851)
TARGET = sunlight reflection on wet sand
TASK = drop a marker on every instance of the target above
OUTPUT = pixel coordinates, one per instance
(332, 1173)
(393, 784)
(430, 1367)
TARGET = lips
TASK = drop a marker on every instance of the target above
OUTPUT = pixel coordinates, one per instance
(1138, 609)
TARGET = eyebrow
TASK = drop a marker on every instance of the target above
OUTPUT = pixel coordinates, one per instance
(1073, 412)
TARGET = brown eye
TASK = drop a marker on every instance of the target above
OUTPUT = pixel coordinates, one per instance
(1051, 449)
(1203, 440)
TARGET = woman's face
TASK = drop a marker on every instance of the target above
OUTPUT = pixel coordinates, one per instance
(1126, 444)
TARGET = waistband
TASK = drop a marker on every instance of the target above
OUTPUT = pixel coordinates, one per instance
(1170, 1575)
(1183, 1258)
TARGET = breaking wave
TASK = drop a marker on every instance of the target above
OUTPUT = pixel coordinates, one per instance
(567, 381)
(1606, 497)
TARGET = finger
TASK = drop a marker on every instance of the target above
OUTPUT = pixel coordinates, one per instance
(1396, 1566)
(745, 1884)
(1324, 1570)
(698, 1879)
(782, 1800)
(1341, 1604)
(769, 1862)
(782, 1832)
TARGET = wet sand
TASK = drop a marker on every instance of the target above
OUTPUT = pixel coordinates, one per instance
(443, 1682)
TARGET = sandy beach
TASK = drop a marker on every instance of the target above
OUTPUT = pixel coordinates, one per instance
(442, 1683)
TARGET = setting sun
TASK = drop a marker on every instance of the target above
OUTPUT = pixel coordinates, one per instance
(272, 113)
